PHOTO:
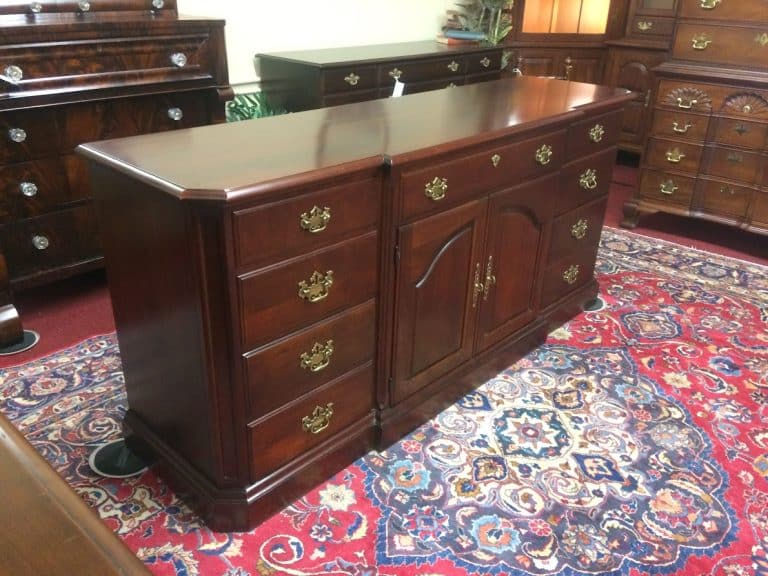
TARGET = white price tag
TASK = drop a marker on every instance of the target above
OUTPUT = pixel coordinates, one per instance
(398, 89)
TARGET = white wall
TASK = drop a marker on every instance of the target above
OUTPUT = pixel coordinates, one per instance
(271, 25)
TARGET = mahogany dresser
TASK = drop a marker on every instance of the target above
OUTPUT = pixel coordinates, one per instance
(707, 154)
(291, 291)
(302, 80)
(72, 72)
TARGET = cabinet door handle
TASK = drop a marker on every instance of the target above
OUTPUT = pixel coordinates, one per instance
(352, 79)
(701, 42)
(436, 189)
(477, 287)
(709, 4)
(676, 127)
(317, 288)
(490, 278)
(668, 187)
(319, 420)
(318, 358)
(316, 220)
(674, 156)
(686, 104)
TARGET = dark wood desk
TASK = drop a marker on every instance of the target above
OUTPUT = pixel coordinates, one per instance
(47, 530)
(306, 79)
(291, 291)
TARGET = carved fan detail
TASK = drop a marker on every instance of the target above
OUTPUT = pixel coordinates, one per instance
(688, 99)
(746, 103)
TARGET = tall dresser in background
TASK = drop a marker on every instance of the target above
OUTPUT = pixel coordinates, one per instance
(74, 72)
(707, 150)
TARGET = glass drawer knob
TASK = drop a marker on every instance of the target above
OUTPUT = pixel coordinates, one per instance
(29, 189)
(84, 6)
(179, 59)
(13, 74)
(157, 4)
(40, 242)
(17, 135)
(35, 7)
(175, 114)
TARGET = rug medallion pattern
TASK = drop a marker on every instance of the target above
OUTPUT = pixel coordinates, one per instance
(635, 441)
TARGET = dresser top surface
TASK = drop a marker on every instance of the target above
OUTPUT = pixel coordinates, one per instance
(229, 160)
(374, 53)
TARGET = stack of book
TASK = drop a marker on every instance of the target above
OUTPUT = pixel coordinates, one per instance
(454, 33)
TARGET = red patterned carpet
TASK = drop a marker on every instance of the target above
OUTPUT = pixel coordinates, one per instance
(635, 441)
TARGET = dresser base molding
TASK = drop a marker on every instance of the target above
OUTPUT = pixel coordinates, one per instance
(239, 510)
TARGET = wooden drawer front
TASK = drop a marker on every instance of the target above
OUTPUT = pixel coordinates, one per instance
(576, 229)
(487, 77)
(29, 189)
(474, 174)
(289, 433)
(585, 179)
(740, 133)
(667, 188)
(738, 10)
(723, 198)
(725, 45)
(305, 223)
(651, 27)
(732, 164)
(680, 125)
(49, 241)
(689, 96)
(270, 301)
(28, 134)
(421, 70)
(352, 96)
(116, 61)
(344, 342)
(760, 208)
(349, 77)
(483, 62)
(568, 274)
(594, 134)
(440, 84)
(673, 155)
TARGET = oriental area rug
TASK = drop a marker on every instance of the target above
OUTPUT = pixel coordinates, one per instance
(633, 442)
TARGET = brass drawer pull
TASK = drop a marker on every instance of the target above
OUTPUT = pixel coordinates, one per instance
(175, 114)
(395, 73)
(158, 4)
(674, 156)
(762, 39)
(35, 7)
(544, 154)
(28, 189)
(686, 104)
(645, 25)
(490, 278)
(84, 6)
(709, 4)
(571, 274)
(316, 220)
(588, 179)
(579, 230)
(596, 133)
(495, 160)
(319, 420)
(725, 189)
(453, 66)
(179, 59)
(485, 62)
(40, 242)
(318, 358)
(701, 42)
(317, 288)
(684, 130)
(436, 189)
(451, 85)
(668, 187)
(741, 129)
(352, 79)
(477, 287)
(735, 157)
(12, 74)
(17, 135)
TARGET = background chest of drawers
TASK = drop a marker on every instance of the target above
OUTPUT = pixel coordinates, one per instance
(708, 147)
(81, 71)
(308, 79)
(292, 312)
